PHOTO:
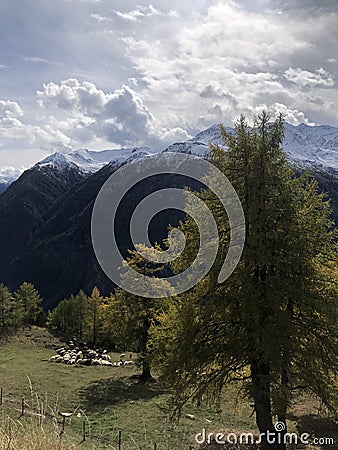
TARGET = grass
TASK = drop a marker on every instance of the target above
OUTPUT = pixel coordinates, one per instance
(107, 400)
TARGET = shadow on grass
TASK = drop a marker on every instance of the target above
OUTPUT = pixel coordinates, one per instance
(319, 427)
(108, 392)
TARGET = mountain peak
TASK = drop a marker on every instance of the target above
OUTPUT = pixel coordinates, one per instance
(305, 145)
(57, 160)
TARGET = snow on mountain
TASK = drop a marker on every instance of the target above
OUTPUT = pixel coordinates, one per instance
(312, 146)
(194, 148)
(58, 161)
(306, 146)
(88, 161)
(211, 134)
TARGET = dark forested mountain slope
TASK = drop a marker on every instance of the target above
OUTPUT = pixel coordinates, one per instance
(59, 258)
(23, 204)
(45, 215)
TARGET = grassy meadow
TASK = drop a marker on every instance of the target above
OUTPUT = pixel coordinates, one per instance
(107, 401)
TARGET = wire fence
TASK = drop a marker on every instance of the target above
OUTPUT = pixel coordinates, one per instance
(25, 408)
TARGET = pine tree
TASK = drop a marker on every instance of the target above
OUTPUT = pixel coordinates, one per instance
(280, 304)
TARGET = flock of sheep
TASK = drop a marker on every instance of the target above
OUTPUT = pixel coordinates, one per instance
(81, 354)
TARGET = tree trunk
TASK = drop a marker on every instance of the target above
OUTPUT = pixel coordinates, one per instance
(146, 374)
(260, 374)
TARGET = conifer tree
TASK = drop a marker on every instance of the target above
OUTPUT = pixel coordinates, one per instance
(28, 298)
(70, 316)
(95, 316)
(130, 317)
(6, 301)
(273, 323)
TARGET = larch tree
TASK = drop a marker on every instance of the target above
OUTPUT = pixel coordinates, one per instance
(95, 317)
(130, 316)
(273, 323)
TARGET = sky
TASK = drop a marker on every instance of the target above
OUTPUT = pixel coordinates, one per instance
(104, 74)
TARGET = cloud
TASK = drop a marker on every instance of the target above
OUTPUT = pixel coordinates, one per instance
(304, 78)
(9, 109)
(37, 59)
(232, 60)
(140, 12)
(120, 116)
(14, 127)
(100, 19)
(10, 173)
(292, 116)
(139, 73)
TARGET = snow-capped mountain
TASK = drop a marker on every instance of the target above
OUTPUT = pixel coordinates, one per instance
(88, 161)
(312, 146)
(211, 134)
(46, 214)
(306, 146)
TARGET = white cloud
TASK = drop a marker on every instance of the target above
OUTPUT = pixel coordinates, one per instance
(156, 73)
(37, 59)
(14, 127)
(304, 78)
(140, 12)
(228, 61)
(10, 112)
(100, 19)
(120, 116)
(292, 116)
(229, 31)
(9, 109)
(10, 173)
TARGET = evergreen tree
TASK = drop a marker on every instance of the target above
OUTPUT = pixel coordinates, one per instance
(82, 307)
(95, 317)
(280, 304)
(130, 317)
(70, 316)
(28, 298)
(6, 300)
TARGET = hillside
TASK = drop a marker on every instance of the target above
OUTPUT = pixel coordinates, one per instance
(108, 401)
(45, 221)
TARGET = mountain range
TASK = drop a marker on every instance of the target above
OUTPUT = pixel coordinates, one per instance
(45, 221)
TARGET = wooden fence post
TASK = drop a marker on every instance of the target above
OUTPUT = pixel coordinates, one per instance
(22, 406)
(84, 430)
(120, 440)
(1, 395)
